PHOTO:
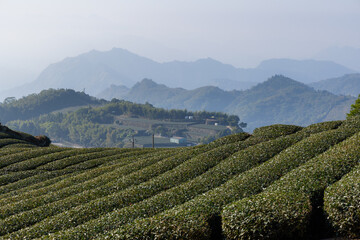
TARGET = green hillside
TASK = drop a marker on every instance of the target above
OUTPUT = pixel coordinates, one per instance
(76, 119)
(281, 182)
(44, 102)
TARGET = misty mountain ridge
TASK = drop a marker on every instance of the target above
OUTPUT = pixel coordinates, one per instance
(277, 100)
(95, 71)
(348, 84)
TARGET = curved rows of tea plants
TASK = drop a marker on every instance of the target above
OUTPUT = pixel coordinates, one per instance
(43, 180)
(252, 155)
(74, 185)
(274, 215)
(7, 151)
(341, 204)
(10, 141)
(108, 196)
(184, 221)
(63, 181)
(270, 184)
(28, 155)
(16, 171)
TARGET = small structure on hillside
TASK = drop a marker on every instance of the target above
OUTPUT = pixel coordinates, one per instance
(178, 140)
(212, 121)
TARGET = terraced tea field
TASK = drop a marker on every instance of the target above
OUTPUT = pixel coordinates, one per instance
(281, 182)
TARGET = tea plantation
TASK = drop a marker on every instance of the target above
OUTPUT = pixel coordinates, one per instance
(281, 182)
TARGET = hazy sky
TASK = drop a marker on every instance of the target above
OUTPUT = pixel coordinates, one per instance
(239, 32)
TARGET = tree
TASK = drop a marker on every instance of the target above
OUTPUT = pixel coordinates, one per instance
(9, 100)
(355, 108)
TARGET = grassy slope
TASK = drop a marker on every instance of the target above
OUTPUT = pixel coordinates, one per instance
(64, 193)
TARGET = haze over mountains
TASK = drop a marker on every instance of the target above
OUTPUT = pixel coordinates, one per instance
(347, 56)
(277, 100)
(207, 84)
(345, 85)
(95, 71)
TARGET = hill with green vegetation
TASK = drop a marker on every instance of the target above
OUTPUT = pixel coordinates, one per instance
(45, 102)
(277, 100)
(348, 84)
(14, 139)
(280, 182)
(118, 122)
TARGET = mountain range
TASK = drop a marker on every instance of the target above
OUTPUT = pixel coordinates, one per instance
(95, 71)
(277, 100)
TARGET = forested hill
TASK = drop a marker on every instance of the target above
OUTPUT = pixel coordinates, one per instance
(46, 101)
(14, 139)
(113, 123)
(277, 100)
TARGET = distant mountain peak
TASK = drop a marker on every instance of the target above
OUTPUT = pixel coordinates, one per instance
(277, 82)
(146, 83)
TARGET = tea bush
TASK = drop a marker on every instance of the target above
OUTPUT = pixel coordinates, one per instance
(342, 204)
(275, 131)
(309, 180)
(23, 156)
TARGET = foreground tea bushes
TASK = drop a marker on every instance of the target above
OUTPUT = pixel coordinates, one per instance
(104, 203)
(36, 188)
(290, 210)
(38, 161)
(269, 183)
(239, 162)
(9, 141)
(16, 176)
(4, 135)
(120, 183)
(95, 153)
(276, 130)
(37, 177)
(308, 182)
(43, 187)
(191, 220)
(8, 151)
(342, 204)
(19, 145)
(88, 181)
(23, 156)
(126, 157)
(91, 192)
